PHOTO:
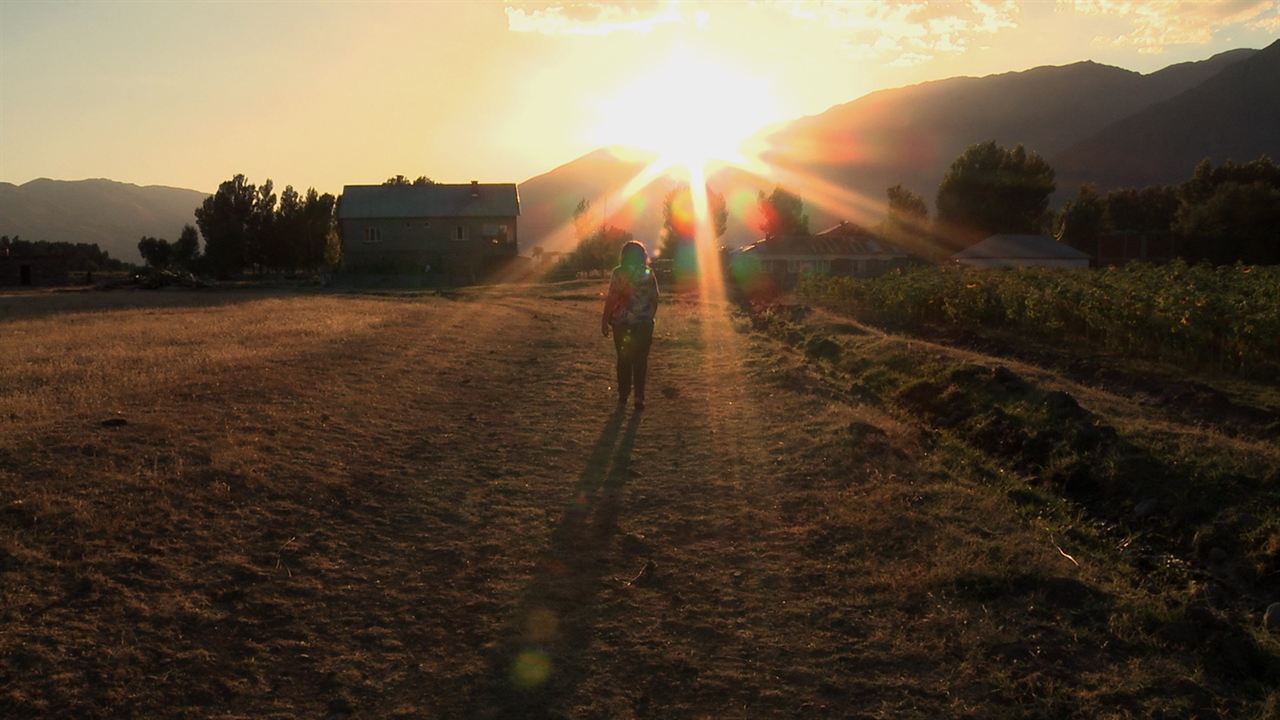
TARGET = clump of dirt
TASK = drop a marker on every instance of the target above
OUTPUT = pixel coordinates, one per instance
(1194, 626)
(1044, 434)
(822, 348)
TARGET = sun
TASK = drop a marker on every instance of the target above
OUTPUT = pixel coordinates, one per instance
(691, 112)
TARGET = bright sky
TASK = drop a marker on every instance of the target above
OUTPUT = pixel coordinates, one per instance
(326, 94)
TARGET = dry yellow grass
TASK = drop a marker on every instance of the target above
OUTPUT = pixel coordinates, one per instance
(75, 361)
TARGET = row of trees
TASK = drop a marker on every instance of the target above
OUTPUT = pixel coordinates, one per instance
(248, 227)
(63, 256)
(402, 180)
(1221, 214)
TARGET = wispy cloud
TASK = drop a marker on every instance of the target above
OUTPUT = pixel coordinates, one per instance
(1154, 25)
(594, 18)
(909, 33)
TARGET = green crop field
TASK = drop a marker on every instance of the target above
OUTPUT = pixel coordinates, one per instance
(1225, 318)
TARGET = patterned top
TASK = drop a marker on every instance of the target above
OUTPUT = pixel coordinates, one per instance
(633, 296)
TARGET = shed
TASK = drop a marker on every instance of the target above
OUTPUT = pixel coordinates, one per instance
(843, 249)
(1009, 250)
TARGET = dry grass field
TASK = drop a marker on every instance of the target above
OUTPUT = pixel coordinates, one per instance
(255, 504)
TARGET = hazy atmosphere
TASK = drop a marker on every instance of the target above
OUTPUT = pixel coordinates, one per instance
(325, 94)
(649, 361)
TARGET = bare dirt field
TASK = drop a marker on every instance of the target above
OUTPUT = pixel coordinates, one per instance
(255, 504)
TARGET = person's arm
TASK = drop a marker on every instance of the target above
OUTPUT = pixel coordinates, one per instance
(653, 292)
(610, 299)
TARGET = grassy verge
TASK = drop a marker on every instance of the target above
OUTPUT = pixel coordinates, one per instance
(1179, 516)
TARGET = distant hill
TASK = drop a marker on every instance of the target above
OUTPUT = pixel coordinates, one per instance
(111, 214)
(1093, 122)
(1232, 115)
(842, 160)
(547, 201)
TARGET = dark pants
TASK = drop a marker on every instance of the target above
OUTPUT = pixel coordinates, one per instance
(632, 343)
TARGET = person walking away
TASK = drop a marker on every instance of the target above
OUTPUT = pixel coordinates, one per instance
(629, 308)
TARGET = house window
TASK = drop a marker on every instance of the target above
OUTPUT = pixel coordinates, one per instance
(459, 233)
(493, 231)
(372, 234)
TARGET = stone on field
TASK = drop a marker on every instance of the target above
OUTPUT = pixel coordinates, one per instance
(1271, 620)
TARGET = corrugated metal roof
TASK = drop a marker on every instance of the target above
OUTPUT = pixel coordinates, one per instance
(1021, 247)
(843, 240)
(438, 200)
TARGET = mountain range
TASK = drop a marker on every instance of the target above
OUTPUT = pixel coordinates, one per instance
(113, 215)
(1092, 122)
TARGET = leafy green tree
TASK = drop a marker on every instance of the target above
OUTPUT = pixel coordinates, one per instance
(332, 250)
(992, 189)
(906, 222)
(263, 240)
(906, 206)
(781, 213)
(319, 239)
(1206, 178)
(226, 220)
(582, 220)
(1148, 210)
(1231, 212)
(402, 180)
(1081, 220)
(1238, 222)
(186, 249)
(679, 223)
(155, 252)
(597, 251)
(289, 231)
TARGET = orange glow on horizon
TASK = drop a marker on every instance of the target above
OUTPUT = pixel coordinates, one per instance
(692, 112)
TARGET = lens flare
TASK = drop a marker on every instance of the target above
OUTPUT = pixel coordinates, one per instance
(691, 110)
(531, 668)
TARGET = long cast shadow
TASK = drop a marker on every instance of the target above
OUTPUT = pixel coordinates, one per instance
(541, 662)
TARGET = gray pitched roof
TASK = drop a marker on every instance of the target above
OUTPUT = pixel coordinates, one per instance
(843, 240)
(438, 200)
(1037, 247)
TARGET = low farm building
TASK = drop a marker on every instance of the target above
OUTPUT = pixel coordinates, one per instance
(32, 270)
(845, 249)
(454, 231)
(1010, 250)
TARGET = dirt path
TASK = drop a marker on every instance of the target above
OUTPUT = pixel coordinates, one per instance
(440, 515)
